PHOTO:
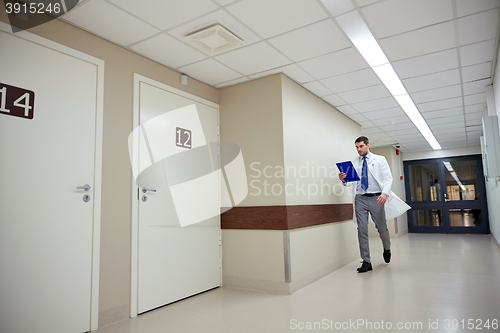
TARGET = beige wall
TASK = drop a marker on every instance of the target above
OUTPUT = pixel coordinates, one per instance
(120, 65)
(251, 117)
(396, 165)
(320, 250)
(315, 137)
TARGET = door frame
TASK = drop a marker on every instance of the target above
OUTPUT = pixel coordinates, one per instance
(446, 228)
(134, 286)
(96, 227)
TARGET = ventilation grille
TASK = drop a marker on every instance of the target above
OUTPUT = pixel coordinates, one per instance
(214, 39)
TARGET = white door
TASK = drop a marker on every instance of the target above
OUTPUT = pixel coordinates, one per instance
(178, 256)
(45, 225)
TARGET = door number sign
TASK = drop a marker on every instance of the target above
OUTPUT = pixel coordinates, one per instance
(183, 138)
(17, 102)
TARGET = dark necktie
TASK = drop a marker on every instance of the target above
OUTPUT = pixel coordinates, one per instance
(364, 175)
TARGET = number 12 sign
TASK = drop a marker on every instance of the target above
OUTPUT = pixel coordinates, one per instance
(17, 102)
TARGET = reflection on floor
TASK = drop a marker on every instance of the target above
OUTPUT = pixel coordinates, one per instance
(432, 280)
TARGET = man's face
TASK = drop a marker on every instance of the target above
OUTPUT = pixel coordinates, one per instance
(363, 149)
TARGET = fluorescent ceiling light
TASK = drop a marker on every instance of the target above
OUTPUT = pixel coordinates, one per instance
(358, 32)
(390, 79)
(454, 175)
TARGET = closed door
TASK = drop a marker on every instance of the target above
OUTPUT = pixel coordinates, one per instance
(178, 194)
(447, 195)
(46, 223)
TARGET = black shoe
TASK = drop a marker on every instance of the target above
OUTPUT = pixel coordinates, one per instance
(365, 267)
(387, 256)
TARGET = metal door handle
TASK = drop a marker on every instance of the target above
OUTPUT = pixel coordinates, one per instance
(144, 190)
(85, 187)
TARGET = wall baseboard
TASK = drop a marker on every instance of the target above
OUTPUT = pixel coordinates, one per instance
(495, 240)
(273, 287)
(304, 281)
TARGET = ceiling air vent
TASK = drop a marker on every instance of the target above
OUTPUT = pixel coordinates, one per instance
(214, 39)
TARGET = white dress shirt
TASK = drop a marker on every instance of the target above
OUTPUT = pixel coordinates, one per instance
(373, 186)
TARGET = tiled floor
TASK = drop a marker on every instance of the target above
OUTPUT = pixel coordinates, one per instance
(431, 278)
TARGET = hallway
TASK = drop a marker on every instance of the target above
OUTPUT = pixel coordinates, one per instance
(431, 278)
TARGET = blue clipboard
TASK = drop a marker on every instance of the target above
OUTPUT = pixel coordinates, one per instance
(349, 170)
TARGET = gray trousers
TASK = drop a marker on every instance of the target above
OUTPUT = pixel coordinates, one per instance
(363, 206)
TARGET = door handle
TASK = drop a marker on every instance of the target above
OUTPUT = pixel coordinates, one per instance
(446, 197)
(85, 187)
(144, 190)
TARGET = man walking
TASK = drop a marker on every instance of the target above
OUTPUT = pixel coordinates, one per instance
(369, 196)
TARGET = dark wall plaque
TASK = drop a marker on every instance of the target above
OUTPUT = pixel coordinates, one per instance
(17, 102)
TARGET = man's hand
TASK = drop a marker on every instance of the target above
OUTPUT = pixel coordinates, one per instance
(382, 199)
(342, 176)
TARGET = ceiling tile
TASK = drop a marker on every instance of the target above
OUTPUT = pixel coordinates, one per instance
(232, 82)
(466, 7)
(338, 102)
(477, 53)
(439, 127)
(419, 42)
(379, 104)
(404, 132)
(394, 112)
(437, 94)
(475, 99)
(438, 105)
(476, 72)
(365, 94)
(224, 2)
(475, 87)
(456, 144)
(397, 127)
(210, 71)
(271, 18)
(370, 131)
(473, 122)
(451, 130)
(366, 125)
(253, 59)
(475, 108)
(350, 81)
(362, 3)
(474, 128)
(168, 51)
(340, 62)
(346, 109)
(432, 81)
(166, 14)
(292, 71)
(317, 88)
(477, 27)
(357, 117)
(446, 120)
(311, 41)
(338, 7)
(110, 22)
(393, 17)
(387, 121)
(450, 137)
(221, 17)
(443, 113)
(473, 116)
(427, 64)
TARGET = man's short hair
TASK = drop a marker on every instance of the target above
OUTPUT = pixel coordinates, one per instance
(362, 139)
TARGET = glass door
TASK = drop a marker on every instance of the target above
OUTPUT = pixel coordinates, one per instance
(447, 195)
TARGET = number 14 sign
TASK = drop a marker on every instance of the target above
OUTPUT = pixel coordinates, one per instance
(17, 102)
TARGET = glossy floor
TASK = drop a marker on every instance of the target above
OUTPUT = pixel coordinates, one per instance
(432, 280)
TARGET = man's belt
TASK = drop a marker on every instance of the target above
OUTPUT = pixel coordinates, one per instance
(371, 194)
